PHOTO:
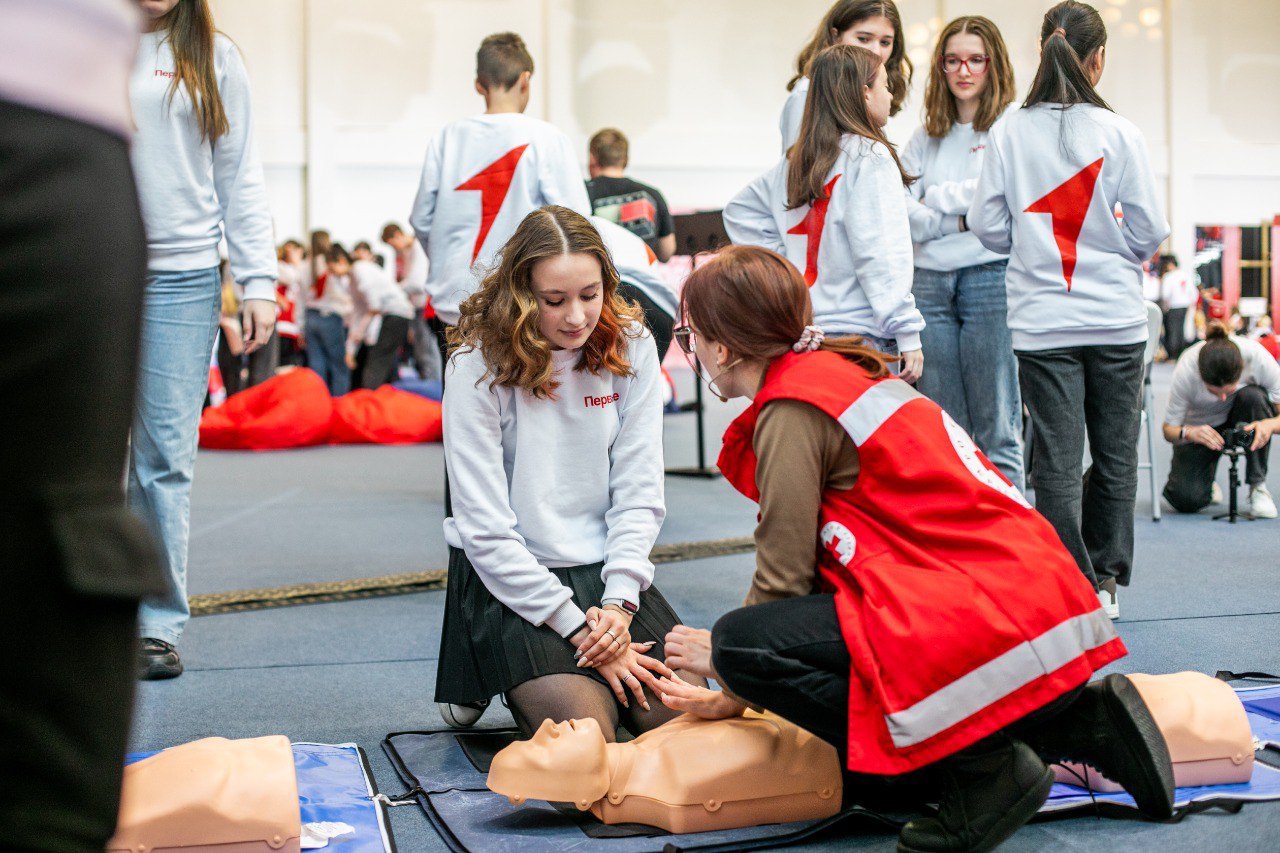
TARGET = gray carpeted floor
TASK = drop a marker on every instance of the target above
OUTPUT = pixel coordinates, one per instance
(1205, 596)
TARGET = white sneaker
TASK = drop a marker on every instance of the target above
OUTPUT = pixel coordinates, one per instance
(463, 716)
(1215, 495)
(1109, 599)
(1260, 503)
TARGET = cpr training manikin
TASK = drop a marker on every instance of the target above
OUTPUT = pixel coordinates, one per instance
(688, 775)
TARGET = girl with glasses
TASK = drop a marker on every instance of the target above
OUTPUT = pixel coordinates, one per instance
(959, 284)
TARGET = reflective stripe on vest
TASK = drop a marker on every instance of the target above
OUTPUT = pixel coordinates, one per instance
(1014, 669)
(1000, 677)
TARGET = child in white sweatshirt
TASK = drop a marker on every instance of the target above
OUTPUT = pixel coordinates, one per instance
(199, 180)
(553, 442)
(834, 206)
(873, 24)
(483, 174)
(1055, 173)
(959, 284)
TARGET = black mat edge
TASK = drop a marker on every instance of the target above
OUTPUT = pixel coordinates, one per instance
(382, 807)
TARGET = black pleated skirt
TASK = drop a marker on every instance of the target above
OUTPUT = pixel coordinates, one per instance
(486, 648)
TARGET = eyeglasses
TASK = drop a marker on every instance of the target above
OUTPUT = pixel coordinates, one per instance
(974, 64)
(684, 337)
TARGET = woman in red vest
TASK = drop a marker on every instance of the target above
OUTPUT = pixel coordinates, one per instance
(908, 605)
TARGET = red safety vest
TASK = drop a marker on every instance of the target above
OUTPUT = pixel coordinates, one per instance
(961, 609)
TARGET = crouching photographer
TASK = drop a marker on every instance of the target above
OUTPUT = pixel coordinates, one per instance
(1224, 394)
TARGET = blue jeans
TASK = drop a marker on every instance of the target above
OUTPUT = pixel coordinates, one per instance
(327, 350)
(969, 366)
(179, 322)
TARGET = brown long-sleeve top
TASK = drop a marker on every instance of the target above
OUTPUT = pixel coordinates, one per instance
(801, 451)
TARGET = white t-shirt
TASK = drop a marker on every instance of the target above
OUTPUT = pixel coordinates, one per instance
(569, 481)
(1191, 404)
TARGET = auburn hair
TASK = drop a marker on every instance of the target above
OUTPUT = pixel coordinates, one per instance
(501, 317)
(190, 31)
(1070, 34)
(843, 16)
(940, 112)
(836, 105)
(756, 303)
(1220, 360)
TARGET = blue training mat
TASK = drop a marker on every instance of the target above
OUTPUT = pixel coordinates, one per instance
(334, 784)
(451, 790)
(1260, 705)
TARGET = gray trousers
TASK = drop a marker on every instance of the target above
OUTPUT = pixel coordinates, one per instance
(1074, 392)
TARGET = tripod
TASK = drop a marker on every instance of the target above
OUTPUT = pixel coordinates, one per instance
(1233, 479)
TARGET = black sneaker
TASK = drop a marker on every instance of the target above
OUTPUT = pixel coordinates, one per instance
(989, 791)
(1110, 729)
(157, 660)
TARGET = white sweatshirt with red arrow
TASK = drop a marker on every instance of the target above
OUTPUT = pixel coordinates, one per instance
(481, 176)
(1052, 182)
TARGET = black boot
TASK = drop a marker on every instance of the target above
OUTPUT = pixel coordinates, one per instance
(989, 791)
(1110, 729)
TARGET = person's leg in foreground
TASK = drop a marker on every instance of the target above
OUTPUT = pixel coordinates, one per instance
(75, 562)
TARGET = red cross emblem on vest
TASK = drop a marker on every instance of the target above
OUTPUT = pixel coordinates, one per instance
(839, 542)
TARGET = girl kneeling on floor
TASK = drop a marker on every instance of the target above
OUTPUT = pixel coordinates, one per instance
(908, 605)
(553, 443)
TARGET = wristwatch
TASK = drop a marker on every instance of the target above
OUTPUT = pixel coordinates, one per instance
(621, 603)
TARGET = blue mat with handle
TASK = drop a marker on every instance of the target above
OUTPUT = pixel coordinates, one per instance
(335, 785)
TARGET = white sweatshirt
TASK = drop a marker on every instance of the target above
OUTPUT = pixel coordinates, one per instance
(380, 290)
(793, 113)
(1083, 285)
(330, 294)
(635, 263)
(554, 483)
(1191, 404)
(481, 176)
(858, 263)
(70, 58)
(948, 170)
(191, 189)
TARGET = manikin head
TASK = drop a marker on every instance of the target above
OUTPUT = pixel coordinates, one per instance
(563, 763)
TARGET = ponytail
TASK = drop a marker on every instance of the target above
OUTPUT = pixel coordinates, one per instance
(855, 350)
(1220, 360)
(190, 32)
(1070, 35)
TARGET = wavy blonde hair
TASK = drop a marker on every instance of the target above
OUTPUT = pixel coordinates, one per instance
(940, 112)
(501, 318)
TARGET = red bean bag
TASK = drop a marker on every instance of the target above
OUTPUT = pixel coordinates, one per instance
(291, 409)
(385, 416)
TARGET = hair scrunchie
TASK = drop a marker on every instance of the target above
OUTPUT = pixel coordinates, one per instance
(810, 339)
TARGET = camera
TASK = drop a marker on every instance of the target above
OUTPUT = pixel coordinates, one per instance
(1237, 439)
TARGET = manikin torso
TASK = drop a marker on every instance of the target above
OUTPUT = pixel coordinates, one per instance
(689, 775)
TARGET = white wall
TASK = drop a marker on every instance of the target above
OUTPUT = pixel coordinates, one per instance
(347, 94)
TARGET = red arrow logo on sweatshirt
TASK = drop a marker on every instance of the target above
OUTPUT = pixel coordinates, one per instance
(1068, 205)
(493, 182)
(811, 226)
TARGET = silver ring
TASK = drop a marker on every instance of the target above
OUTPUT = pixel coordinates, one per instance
(631, 677)
(611, 634)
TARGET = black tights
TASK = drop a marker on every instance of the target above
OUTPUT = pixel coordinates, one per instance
(569, 696)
